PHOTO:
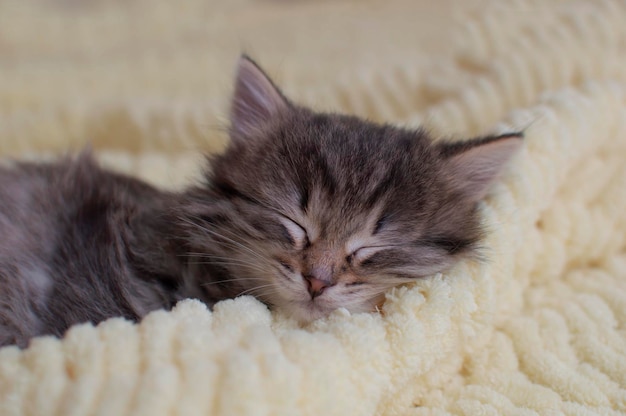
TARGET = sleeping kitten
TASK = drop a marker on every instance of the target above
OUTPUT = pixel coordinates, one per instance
(306, 211)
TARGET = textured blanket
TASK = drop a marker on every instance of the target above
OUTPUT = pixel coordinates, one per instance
(537, 329)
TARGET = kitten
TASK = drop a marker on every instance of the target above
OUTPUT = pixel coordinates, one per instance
(306, 211)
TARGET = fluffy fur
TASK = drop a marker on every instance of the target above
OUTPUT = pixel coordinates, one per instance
(306, 211)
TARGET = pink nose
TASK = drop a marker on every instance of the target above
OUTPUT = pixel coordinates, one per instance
(316, 286)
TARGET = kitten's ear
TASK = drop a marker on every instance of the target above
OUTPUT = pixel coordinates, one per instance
(474, 165)
(256, 99)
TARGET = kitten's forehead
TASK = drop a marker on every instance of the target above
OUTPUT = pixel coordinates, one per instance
(346, 157)
(335, 173)
(351, 226)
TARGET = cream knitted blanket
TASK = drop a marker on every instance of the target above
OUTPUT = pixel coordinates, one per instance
(540, 329)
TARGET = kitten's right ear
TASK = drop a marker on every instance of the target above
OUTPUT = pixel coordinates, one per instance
(256, 100)
(473, 165)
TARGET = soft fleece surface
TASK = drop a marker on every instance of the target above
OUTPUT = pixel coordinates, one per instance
(539, 329)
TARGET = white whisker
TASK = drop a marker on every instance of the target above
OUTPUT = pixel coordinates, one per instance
(231, 280)
(255, 288)
(250, 266)
(235, 244)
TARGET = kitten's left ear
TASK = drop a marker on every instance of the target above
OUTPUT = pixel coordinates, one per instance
(256, 100)
(474, 165)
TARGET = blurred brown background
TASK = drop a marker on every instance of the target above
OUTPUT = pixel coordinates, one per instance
(139, 74)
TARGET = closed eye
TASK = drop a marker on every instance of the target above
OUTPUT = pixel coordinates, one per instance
(362, 254)
(297, 234)
(379, 256)
(382, 221)
(286, 266)
(450, 245)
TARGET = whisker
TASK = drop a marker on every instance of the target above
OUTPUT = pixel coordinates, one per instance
(215, 233)
(235, 247)
(263, 295)
(224, 263)
(255, 288)
(231, 280)
(225, 230)
(265, 292)
(222, 260)
(230, 232)
(211, 256)
(228, 261)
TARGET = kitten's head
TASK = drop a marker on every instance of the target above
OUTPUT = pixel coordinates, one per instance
(310, 212)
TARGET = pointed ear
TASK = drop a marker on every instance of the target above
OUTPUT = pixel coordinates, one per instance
(255, 101)
(473, 166)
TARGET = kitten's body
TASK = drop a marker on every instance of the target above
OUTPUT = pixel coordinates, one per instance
(64, 255)
(306, 211)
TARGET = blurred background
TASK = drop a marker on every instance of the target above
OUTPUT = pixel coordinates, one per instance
(135, 75)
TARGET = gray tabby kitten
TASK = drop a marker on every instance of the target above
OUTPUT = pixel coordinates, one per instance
(306, 211)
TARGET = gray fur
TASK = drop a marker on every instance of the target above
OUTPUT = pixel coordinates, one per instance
(306, 211)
